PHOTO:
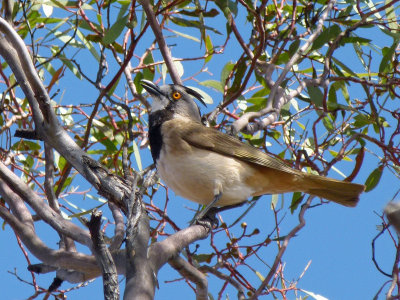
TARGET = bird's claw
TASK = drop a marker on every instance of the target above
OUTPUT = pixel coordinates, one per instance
(208, 220)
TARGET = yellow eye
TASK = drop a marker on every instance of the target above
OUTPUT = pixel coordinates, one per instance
(176, 95)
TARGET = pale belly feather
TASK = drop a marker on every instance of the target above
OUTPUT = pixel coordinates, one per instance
(203, 174)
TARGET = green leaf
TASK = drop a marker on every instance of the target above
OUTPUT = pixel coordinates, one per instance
(85, 212)
(88, 45)
(24, 145)
(206, 97)
(201, 19)
(122, 11)
(137, 155)
(203, 258)
(186, 36)
(241, 68)
(388, 53)
(335, 153)
(391, 16)
(373, 179)
(227, 7)
(361, 120)
(48, 66)
(59, 161)
(274, 201)
(115, 30)
(213, 84)
(354, 40)
(296, 200)
(344, 67)
(328, 124)
(84, 25)
(259, 103)
(316, 96)
(360, 53)
(283, 58)
(226, 71)
(136, 81)
(326, 35)
(390, 33)
(208, 14)
(178, 66)
(259, 275)
(148, 73)
(65, 4)
(66, 38)
(70, 66)
(209, 47)
(293, 47)
(262, 93)
(191, 23)
(332, 98)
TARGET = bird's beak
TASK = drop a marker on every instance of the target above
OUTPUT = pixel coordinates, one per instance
(151, 88)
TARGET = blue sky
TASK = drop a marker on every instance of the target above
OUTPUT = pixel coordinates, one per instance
(337, 240)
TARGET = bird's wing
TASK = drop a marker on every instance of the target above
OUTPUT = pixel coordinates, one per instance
(203, 137)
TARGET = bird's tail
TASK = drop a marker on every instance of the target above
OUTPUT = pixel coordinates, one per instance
(342, 192)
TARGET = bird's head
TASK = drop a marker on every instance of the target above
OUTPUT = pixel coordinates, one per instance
(175, 98)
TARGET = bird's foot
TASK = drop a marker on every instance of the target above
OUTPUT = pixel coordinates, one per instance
(208, 220)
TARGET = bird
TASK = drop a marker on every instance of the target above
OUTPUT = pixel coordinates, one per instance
(215, 169)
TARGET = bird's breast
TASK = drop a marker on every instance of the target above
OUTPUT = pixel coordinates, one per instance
(198, 175)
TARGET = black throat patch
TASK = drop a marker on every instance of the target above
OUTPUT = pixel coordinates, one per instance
(156, 120)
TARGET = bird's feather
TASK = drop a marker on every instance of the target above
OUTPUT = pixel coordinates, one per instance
(203, 137)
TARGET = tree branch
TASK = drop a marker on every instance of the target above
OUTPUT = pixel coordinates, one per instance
(46, 214)
(103, 257)
(277, 97)
(59, 258)
(47, 126)
(155, 26)
(161, 252)
(225, 277)
(284, 245)
(140, 274)
(119, 232)
(190, 272)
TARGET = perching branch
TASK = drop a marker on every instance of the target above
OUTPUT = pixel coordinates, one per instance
(161, 252)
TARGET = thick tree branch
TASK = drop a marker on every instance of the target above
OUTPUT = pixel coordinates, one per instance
(51, 196)
(190, 272)
(32, 81)
(161, 252)
(48, 128)
(59, 258)
(48, 215)
(119, 232)
(17, 205)
(140, 275)
(103, 257)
